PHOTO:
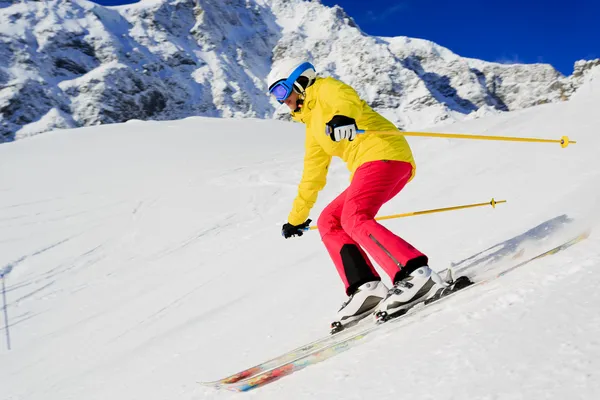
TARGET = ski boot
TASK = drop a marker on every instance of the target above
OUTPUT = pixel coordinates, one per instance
(359, 305)
(422, 285)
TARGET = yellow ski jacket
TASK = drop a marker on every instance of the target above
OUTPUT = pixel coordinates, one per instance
(324, 99)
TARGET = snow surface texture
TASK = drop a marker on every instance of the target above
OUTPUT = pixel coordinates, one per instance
(141, 258)
(74, 63)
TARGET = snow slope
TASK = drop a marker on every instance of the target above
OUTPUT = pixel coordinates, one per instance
(140, 258)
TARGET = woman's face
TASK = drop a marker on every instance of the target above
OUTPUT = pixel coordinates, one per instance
(292, 101)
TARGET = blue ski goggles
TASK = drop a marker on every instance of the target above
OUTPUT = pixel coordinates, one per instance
(282, 89)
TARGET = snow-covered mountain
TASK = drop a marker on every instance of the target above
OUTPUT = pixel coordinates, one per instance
(70, 63)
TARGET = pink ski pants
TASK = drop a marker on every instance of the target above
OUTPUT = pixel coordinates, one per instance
(348, 227)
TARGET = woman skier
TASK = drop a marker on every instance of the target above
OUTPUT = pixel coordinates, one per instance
(380, 166)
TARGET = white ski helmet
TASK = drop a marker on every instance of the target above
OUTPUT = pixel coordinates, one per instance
(290, 74)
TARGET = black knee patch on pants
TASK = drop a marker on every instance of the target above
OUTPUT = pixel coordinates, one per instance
(411, 266)
(356, 268)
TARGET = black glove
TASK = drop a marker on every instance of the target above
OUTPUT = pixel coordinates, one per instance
(341, 127)
(288, 230)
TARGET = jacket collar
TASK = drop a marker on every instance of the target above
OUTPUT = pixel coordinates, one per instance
(309, 103)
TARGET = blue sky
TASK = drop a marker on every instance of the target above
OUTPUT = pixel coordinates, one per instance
(525, 31)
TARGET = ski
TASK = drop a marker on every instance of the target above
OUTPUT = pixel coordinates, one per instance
(322, 353)
(291, 355)
(330, 346)
(282, 359)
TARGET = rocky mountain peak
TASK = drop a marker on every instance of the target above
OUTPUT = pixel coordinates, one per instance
(75, 63)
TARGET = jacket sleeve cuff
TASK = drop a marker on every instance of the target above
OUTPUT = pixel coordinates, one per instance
(296, 219)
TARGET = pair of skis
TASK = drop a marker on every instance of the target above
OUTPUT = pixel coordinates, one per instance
(329, 346)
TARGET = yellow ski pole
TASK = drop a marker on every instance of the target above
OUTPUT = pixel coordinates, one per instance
(435, 210)
(564, 141)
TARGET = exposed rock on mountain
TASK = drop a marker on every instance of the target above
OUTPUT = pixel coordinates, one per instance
(74, 63)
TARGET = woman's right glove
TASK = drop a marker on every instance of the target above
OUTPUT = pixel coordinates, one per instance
(341, 127)
(288, 230)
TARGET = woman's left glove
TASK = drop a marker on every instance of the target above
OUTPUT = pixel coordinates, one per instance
(288, 230)
(341, 127)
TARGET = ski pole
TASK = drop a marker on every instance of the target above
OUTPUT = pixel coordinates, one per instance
(2, 277)
(435, 210)
(564, 141)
